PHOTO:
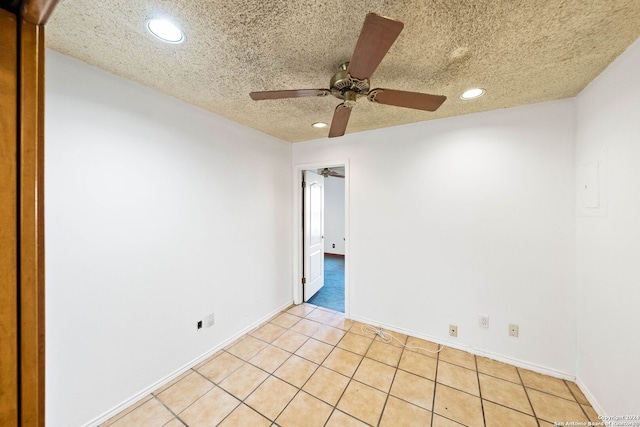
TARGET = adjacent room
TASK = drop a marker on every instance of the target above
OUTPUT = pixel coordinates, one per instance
(331, 242)
(495, 235)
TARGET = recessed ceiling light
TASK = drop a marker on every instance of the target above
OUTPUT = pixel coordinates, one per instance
(320, 125)
(472, 93)
(165, 30)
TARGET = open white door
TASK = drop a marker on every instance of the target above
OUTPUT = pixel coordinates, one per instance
(313, 236)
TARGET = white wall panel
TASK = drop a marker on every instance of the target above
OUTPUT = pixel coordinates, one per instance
(608, 238)
(157, 213)
(334, 227)
(475, 215)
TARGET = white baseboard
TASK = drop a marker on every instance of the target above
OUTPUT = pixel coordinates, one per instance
(590, 397)
(500, 358)
(148, 390)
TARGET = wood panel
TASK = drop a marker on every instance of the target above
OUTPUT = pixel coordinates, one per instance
(31, 224)
(22, 215)
(37, 12)
(8, 221)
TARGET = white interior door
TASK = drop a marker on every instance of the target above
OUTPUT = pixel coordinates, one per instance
(313, 226)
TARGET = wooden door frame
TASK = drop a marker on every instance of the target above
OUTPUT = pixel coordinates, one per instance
(8, 219)
(23, 399)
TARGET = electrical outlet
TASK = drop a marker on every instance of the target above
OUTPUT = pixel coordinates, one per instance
(514, 330)
(209, 320)
(483, 320)
(453, 330)
(199, 325)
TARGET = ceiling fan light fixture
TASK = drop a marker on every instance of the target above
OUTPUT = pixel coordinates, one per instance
(474, 93)
(319, 125)
(165, 30)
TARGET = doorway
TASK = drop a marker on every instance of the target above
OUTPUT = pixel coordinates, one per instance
(331, 295)
(321, 225)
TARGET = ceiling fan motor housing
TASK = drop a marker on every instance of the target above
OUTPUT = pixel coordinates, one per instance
(376, 38)
(342, 83)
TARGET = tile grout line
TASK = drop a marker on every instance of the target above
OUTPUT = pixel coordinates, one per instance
(504, 405)
(392, 381)
(354, 372)
(256, 411)
(475, 395)
(499, 378)
(350, 378)
(465, 391)
(435, 381)
(484, 418)
(271, 374)
(553, 395)
(243, 400)
(299, 389)
(528, 398)
(225, 417)
(458, 365)
(155, 396)
(335, 407)
(278, 378)
(285, 406)
(191, 404)
(576, 399)
(455, 388)
(305, 383)
(169, 409)
(435, 386)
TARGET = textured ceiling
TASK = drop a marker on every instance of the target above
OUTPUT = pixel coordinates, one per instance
(520, 51)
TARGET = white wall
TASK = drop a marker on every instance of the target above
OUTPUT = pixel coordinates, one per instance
(157, 214)
(608, 248)
(334, 215)
(478, 216)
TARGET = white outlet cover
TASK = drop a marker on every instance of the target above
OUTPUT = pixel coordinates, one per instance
(453, 330)
(483, 320)
(514, 330)
(209, 320)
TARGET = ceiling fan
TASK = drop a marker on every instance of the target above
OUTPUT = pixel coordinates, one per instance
(327, 172)
(352, 79)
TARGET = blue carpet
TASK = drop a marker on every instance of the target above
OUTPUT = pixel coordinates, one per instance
(331, 295)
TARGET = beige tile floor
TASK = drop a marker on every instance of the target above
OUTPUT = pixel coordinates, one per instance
(309, 366)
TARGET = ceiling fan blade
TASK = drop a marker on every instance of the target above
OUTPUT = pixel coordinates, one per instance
(326, 172)
(281, 94)
(340, 120)
(376, 38)
(401, 98)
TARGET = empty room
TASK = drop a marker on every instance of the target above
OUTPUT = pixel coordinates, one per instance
(486, 158)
